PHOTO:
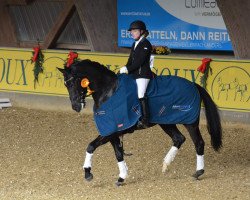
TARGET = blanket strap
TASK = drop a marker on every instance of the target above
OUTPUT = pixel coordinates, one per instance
(124, 153)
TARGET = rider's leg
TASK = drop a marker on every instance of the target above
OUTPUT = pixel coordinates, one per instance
(116, 143)
(142, 84)
(100, 140)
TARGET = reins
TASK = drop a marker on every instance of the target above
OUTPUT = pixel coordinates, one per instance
(122, 145)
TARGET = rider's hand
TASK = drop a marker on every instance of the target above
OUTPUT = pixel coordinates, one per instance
(123, 70)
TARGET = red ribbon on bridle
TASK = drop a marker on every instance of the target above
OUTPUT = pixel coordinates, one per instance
(71, 58)
(203, 66)
(36, 52)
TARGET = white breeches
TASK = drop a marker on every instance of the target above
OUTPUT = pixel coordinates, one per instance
(142, 84)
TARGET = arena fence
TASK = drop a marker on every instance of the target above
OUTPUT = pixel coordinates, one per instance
(228, 81)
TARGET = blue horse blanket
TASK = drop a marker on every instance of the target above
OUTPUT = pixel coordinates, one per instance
(171, 99)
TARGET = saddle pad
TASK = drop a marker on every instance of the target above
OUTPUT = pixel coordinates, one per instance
(171, 99)
(121, 111)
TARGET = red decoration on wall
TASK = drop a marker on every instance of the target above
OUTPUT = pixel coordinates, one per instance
(72, 57)
(35, 54)
(204, 68)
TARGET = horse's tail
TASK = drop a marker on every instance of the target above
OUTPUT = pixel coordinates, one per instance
(213, 118)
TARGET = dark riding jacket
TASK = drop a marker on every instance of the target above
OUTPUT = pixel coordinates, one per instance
(139, 60)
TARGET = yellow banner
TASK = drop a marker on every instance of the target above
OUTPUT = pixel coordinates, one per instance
(228, 83)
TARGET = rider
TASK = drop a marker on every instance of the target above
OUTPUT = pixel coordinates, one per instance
(139, 66)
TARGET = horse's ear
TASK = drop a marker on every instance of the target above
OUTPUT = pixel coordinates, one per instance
(61, 70)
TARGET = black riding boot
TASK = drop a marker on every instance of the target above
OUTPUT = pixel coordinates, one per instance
(144, 120)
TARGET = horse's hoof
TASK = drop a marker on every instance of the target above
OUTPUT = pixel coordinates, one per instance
(164, 167)
(119, 182)
(89, 177)
(198, 173)
(88, 174)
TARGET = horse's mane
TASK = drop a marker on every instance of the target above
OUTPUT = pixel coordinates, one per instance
(86, 64)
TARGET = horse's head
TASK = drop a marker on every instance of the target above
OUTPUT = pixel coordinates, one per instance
(77, 91)
(85, 77)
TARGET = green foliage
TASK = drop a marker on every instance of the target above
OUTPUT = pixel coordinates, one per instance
(203, 80)
(38, 66)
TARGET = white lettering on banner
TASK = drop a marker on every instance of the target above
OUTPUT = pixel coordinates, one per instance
(183, 36)
(218, 36)
(193, 35)
(162, 35)
(211, 14)
(147, 14)
(154, 34)
(125, 34)
(186, 45)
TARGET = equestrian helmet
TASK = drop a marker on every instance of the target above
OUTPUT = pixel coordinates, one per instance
(137, 25)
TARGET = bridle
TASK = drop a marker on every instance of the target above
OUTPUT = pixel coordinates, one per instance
(71, 78)
(82, 96)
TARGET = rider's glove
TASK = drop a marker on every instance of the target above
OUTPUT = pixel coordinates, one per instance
(123, 70)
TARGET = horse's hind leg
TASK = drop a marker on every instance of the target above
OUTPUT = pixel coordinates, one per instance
(100, 140)
(177, 138)
(195, 134)
(116, 143)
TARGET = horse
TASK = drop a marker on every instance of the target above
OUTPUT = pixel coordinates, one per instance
(88, 78)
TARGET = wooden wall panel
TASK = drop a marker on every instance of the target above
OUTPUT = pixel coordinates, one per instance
(237, 20)
(99, 20)
(18, 2)
(7, 33)
(60, 24)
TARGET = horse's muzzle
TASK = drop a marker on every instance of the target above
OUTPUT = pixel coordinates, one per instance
(78, 106)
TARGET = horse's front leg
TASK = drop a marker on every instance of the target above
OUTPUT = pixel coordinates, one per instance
(116, 143)
(100, 140)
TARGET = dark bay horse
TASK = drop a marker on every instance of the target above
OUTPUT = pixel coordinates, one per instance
(86, 78)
